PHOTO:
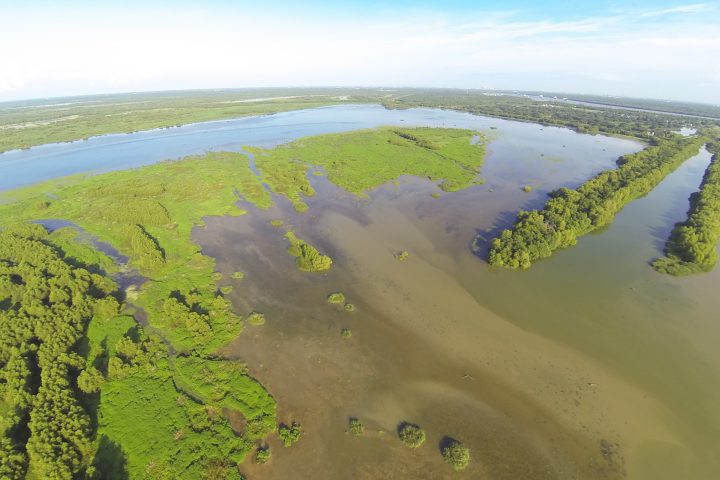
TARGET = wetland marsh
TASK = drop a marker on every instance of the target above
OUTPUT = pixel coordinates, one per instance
(590, 365)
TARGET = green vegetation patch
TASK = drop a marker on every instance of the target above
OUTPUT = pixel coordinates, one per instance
(402, 255)
(362, 160)
(337, 298)
(456, 454)
(262, 455)
(355, 426)
(411, 435)
(46, 304)
(226, 384)
(307, 257)
(570, 214)
(148, 215)
(256, 318)
(126, 113)
(289, 434)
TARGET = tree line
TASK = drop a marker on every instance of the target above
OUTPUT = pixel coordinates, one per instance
(571, 213)
(45, 306)
(692, 244)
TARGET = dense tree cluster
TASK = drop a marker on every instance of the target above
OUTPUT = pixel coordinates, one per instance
(307, 257)
(145, 249)
(570, 214)
(692, 245)
(194, 312)
(45, 306)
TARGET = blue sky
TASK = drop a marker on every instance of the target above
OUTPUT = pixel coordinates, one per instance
(659, 49)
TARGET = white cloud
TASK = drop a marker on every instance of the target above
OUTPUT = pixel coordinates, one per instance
(692, 8)
(99, 51)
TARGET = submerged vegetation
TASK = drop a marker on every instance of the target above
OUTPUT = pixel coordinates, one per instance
(402, 255)
(692, 245)
(570, 214)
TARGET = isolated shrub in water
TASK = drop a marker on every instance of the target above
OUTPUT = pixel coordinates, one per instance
(456, 454)
(411, 435)
(355, 427)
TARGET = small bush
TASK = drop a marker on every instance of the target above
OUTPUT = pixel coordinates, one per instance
(355, 427)
(256, 318)
(456, 454)
(262, 455)
(411, 435)
(289, 434)
(336, 298)
(89, 380)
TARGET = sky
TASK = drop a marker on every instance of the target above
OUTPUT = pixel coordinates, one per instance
(651, 49)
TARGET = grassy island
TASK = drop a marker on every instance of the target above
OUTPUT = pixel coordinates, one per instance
(570, 214)
(307, 257)
(362, 160)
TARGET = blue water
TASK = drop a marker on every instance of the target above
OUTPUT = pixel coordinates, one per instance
(122, 151)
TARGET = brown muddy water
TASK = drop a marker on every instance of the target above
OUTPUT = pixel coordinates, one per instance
(587, 366)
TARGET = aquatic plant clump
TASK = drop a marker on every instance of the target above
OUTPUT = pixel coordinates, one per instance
(402, 255)
(336, 298)
(256, 318)
(346, 333)
(289, 434)
(262, 455)
(456, 455)
(307, 257)
(411, 435)
(349, 307)
(355, 426)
